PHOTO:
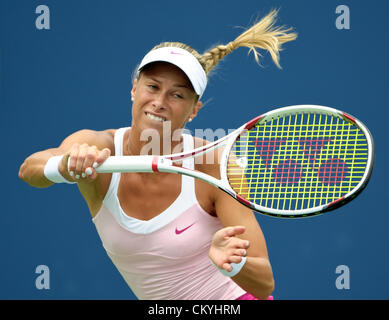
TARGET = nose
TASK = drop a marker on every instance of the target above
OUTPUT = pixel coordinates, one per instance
(160, 101)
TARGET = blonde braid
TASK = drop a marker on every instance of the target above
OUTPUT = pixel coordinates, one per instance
(262, 35)
(210, 59)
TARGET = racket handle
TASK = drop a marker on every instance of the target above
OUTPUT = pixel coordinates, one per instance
(130, 164)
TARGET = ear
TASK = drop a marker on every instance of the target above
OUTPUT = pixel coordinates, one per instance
(196, 109)
(133, 89)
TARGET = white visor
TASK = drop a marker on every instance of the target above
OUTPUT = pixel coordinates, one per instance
(183, 60)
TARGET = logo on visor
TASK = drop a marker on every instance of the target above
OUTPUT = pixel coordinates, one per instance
(172, 52)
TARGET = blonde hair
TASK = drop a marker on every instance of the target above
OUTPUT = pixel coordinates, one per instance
(262, 35)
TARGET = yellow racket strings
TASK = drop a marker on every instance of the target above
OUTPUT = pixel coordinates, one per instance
(298, 161)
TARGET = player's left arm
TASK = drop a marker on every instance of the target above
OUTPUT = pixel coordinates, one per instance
(242, 233)
(241, 227)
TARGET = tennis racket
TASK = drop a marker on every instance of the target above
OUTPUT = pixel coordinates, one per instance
(294, 161)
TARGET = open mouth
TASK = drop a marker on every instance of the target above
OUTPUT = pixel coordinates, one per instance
(154, 117)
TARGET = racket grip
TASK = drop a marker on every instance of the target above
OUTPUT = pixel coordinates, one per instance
(128, 164)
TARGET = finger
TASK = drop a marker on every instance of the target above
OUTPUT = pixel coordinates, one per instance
(73, 159)
(80, 160)
(101, 157)
(227, 267)
(235, 259)
(234, 231)
(241, 243)
(89, 160)
(240, 252)
(91, 173)
(90, 157)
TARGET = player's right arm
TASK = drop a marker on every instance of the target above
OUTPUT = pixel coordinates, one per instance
(84, 148)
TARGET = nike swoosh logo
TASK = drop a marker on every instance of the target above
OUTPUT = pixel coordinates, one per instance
(182, 230)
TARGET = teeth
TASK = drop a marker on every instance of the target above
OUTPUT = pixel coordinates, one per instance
(151, 116)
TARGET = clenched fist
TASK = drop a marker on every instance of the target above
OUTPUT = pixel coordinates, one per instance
(82, 160)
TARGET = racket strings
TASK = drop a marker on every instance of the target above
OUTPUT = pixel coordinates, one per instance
(298, 161)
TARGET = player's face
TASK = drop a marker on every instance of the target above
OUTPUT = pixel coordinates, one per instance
(163, 93)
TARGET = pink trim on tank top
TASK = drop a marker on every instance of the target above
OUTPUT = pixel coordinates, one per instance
(248, 296)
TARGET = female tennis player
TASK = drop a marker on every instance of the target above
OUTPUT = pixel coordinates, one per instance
(170, 236)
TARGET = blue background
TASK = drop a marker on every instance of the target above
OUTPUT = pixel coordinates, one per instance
(78, 75)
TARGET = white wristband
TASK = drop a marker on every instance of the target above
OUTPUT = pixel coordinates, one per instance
(236, 267)
(51, 171)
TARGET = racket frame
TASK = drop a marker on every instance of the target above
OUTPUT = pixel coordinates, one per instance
(334, 204)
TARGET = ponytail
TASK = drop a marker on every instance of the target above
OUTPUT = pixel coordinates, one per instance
(263, 35)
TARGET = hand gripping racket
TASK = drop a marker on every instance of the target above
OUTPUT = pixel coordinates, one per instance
(294, 161)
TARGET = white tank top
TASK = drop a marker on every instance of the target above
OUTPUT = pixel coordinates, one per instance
(166, 257)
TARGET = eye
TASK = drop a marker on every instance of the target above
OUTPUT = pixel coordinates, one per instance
(151, 85)
(178, 96)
